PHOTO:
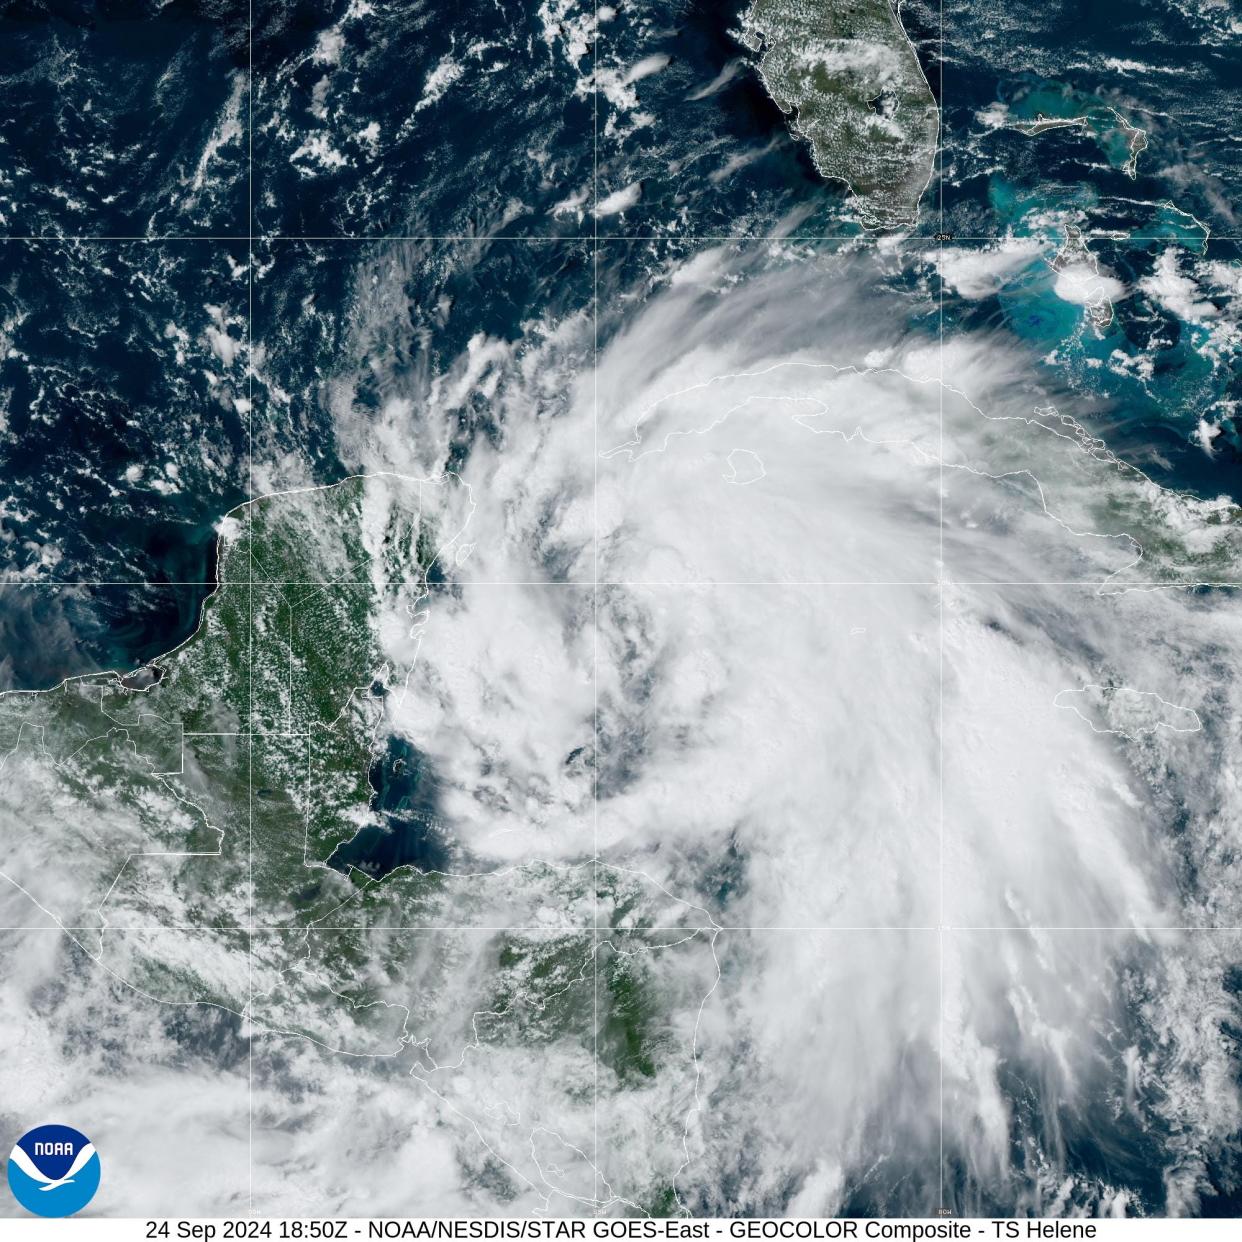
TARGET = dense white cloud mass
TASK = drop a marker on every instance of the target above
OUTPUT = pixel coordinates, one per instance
(911, 768)
(148, 1080)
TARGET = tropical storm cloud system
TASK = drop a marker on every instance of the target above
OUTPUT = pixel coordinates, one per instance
(623, 609)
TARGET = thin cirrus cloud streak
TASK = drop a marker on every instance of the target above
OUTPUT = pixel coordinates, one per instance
(925, 907)
(770, 693)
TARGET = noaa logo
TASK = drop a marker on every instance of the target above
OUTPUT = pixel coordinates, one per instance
(54, 1171)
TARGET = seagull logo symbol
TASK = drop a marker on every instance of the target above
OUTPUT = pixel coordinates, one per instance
(53, 1170)
(31, 1170)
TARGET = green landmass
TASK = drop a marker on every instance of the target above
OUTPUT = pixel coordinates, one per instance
(849, 76)
(1039, 105)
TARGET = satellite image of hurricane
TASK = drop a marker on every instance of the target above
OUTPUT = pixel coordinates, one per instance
(623, 609)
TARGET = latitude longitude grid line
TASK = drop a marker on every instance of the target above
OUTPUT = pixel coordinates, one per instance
(940, 574)
(250, 491)
(604, 239)
(941, 240)
(940, 928)
(587, 929)
(595, 38)
(1102, 587)
(596, 584)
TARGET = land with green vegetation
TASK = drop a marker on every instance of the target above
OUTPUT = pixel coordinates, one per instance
(1039, 105)
(848, 74)
(182, 819)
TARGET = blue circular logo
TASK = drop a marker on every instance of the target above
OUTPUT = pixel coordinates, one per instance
(54, 1171)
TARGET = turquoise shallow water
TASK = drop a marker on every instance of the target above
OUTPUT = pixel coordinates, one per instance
(197, 351)
(125, 438)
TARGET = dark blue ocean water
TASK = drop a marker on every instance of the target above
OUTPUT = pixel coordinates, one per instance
(407, 832)
(124, 425)
(482, 121)
(124, 439)
(123, 118)
(1173, 70)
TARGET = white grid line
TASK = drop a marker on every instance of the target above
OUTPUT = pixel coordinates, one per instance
(941, 240)
(585, 929)
(934, 240)
(940, 613)
(1103, 586)
(595, 607)
(250, 546)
